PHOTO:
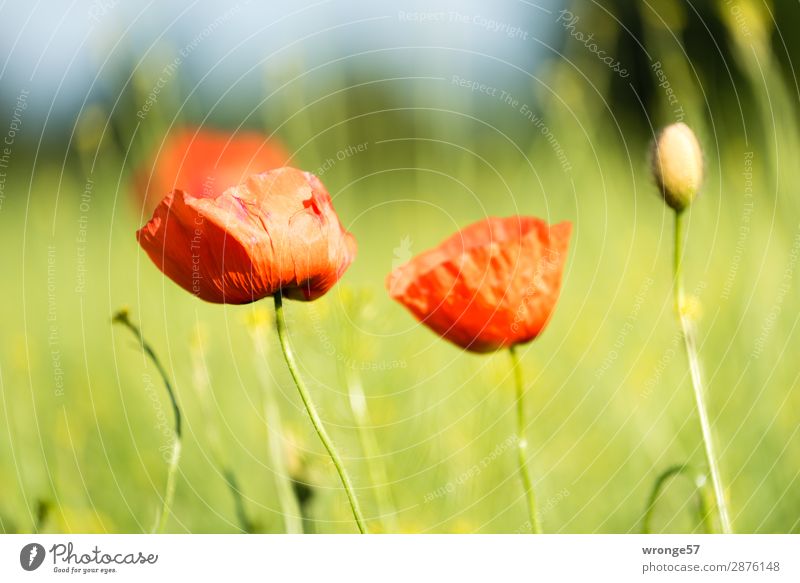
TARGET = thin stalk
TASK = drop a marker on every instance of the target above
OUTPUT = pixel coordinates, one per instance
(202, 385)
(522, 445)
(280, 322)
(42, 512)
(290, 507)
(122, 317)
(238, 502)
(292, 516)
(690, 343)
(169, 493)
(702, 510)
(375, 465)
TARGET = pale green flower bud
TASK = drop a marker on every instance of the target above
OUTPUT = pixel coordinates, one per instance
(677, 165)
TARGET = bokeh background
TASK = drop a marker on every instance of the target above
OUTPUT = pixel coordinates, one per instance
(420, 118)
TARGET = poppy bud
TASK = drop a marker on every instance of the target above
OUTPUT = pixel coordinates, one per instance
(677, 164)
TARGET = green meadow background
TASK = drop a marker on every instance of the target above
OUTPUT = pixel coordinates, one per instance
(84, 418)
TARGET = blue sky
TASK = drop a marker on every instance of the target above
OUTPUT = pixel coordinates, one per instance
(62, 51)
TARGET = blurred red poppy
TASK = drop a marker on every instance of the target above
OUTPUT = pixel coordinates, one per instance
(490, 286)
(277, 231)
(205, 162)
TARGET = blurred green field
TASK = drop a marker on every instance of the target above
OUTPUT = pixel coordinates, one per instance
(610, 404)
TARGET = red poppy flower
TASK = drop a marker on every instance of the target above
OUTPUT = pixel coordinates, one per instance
(489, 286)
(276, 231)
(206, 162)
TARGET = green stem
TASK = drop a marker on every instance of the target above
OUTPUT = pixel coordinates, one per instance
(292, 517)
(123, 318)
(522, 445)
(238, 501)
(375, 465)
(169, 494)
(202, 387)
(690, 343)
(703, 506)
(703, 514)
(312, 412)
(290, 507)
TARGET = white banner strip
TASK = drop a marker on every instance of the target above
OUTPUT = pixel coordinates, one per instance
(400, 558)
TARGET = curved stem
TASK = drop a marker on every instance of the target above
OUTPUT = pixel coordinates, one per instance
(123, 318)
(702, 506)
(280, 322)
(522, 445)
(689, 341)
